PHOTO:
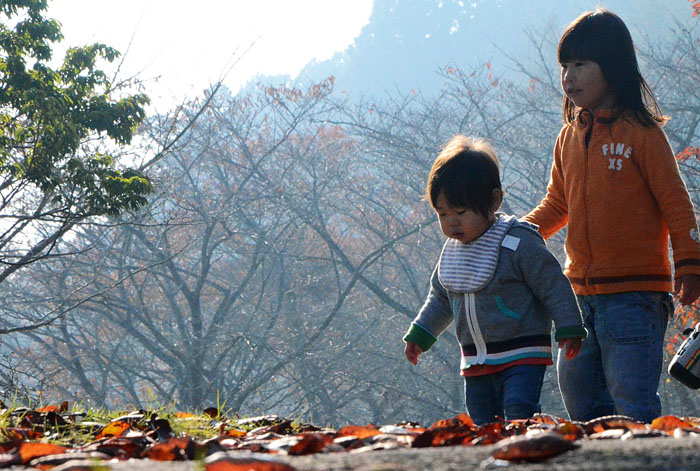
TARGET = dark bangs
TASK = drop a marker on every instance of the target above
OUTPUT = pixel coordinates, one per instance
(467, 180)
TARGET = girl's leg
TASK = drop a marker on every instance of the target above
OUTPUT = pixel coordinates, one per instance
(631, 337)
(521, 386)
(482, 398)
(582, 380)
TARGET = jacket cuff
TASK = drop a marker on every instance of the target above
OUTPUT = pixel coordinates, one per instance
(420, 336)
(576, 332)
(687, 266)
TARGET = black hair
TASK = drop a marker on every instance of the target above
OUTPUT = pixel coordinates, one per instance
(466, 172)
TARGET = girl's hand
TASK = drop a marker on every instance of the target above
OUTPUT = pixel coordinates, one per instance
(573, 346)
(412, 352)
(687, 287)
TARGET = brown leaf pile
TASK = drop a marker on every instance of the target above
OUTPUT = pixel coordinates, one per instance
(238, 446)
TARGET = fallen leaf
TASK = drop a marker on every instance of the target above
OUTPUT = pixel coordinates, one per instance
(175, 449)
(491, 433)
(358, 431)
(114, 429)
(119, 447)
(184, 415)
(311, 443)
(223, 461)
(232, 432)
(571, 431)
(542, 418)
(612, 421)
(444, 436)
(29, 450)
(22, 434)
(460, 420)
(49, 461)
(669, 423)
(531, 449)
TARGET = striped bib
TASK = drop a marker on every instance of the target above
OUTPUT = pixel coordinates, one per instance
(466, 268)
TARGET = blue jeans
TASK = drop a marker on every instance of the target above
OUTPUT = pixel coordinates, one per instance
(620, 363)
(513, 393)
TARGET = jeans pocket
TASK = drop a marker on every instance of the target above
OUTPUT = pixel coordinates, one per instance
(628, 318)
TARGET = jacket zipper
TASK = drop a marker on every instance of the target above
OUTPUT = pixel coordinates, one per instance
(474, 330)
(586, 171)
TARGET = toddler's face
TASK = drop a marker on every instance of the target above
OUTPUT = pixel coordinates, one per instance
(462, 224)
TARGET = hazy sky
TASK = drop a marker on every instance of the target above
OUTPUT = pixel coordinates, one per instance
(186, 45)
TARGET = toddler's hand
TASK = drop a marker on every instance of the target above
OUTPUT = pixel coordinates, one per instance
(687, 287)
(412, 352)
(573, 346)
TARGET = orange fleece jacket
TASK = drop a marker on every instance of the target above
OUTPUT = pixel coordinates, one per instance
(621, 193)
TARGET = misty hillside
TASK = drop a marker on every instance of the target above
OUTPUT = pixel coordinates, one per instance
(407, 41)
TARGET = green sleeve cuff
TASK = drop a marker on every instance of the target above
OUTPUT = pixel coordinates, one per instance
(420, 337)
(576, 332)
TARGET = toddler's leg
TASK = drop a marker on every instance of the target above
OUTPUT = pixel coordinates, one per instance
(582, 380)
(482, 398)
(522, 385)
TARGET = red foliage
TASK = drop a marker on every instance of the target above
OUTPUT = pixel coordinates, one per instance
(688, 152)
(444, 436)
(536, 448)
(175, 449)
(612, 422)
(311, 443)
(29, 450)
(696, 7)
(114, 429)
(251, 464)
(668, 423)
(358, 431)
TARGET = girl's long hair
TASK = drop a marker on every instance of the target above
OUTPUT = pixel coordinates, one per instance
(602, 37)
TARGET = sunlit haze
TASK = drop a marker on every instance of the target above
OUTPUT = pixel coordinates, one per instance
(181, 47)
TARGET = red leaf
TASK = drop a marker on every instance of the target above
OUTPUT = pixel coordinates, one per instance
(545, 419)
(570, 431)
(311, 443)
(461, 420)
(668, 423)
(184, 415)
(30, 450)
(490, 433)
(537, 448)
(611, 422)
(51, 408)
(175, 449)
(444, 436)
(120, 447)
(22, 434)
(114, 429)
(358, 431)
(246, 464)
(232, 432)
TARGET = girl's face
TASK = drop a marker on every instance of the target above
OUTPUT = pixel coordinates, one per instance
(584, 84)
(462, 224)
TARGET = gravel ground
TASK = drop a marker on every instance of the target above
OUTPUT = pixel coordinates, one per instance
(647, 454)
